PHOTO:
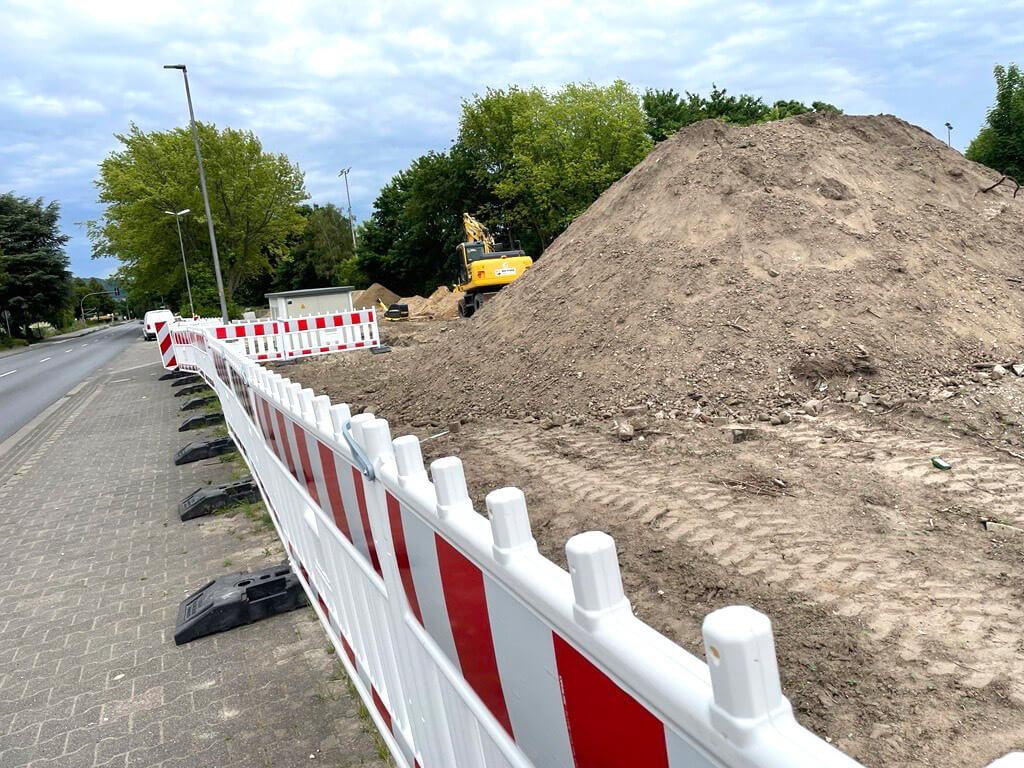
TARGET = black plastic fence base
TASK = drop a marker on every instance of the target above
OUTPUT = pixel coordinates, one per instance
(200, 421)
(206, 501)
(203, 449)
(383, 349)
(237, 599)
(191, 389)
(174, 375)
(184, 381)
(197, 402)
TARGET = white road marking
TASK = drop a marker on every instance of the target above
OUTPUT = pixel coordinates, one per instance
(7, 374)
(45, 359)
(67, 350)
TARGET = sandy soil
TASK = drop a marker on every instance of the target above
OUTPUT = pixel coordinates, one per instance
(897, 614)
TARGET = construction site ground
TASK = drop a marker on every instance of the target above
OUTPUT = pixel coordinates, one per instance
(897, 612)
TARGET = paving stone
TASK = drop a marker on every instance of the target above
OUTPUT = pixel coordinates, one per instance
(89, 673)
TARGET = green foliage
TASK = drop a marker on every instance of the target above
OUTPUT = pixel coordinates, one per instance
(1000, 144)
(666, 111)
(321, 255)
(568, 150)
(254, 199)
(34, 279)
(409, 241)
(526, 163)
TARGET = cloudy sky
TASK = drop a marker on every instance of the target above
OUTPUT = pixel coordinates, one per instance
(372, 85)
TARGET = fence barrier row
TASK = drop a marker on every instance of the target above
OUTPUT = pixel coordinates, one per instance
(469, 648)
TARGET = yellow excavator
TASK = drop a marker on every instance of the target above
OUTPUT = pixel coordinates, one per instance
(483, 271)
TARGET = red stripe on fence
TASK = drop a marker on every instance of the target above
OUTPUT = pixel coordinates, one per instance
(348, 648)
(165, 344)
(323, 606)
(286, 445)
(325, 349)
(222, 332)
(258, 329)
(607, 726)
(269, 423)
(333, 489)
(364, 515)
(172, 362)
(379, 703)
(463, 587)
(303, 325)
(321, 322)
(402, 555)
(338, 320)
(354, 318)
(307, 465)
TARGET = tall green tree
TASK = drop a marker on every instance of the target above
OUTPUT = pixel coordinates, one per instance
(254, 199)
(34, 266)
(321, 255)
(1000, 144)
(409, 241)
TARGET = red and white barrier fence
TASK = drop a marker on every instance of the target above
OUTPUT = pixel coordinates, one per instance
(469, 648)
(278, 339)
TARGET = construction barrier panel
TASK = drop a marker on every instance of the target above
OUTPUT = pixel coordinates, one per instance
(274, 339)
(468, 647)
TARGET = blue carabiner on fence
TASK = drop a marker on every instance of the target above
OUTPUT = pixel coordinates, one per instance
(363, 463)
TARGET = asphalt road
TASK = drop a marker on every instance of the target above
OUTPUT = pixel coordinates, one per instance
(32, 380)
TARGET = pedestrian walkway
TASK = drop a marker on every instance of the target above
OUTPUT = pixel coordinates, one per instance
(95, 563)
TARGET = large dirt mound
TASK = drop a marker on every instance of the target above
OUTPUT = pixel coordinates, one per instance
(737, 270)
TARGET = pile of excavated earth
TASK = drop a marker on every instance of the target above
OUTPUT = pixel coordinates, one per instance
(782, 365)
(742, 271)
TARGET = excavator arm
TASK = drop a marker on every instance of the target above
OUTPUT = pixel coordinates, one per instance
(477, 232)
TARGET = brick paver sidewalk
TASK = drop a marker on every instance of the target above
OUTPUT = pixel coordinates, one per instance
(94, 564)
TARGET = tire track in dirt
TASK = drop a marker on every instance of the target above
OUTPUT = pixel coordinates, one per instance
(959, 616)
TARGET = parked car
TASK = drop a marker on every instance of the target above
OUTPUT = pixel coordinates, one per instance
(151, 319)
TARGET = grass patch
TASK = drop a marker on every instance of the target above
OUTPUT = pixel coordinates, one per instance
(364, 714)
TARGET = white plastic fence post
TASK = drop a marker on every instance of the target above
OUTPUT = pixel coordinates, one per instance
(740, 653)
(377, 440)
(510, 524)
(340, 414)
(294, 392)
(450, 482)
(596, 579)
(306, 405)
(322, 414)
(409, 460)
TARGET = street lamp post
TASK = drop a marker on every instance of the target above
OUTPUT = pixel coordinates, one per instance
(949, 134)
(177, 220)
(351, 223)
(82, 302)
(202, 187)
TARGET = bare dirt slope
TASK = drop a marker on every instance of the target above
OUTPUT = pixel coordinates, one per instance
(897, 614)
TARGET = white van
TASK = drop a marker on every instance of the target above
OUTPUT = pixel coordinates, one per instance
(150, 320)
